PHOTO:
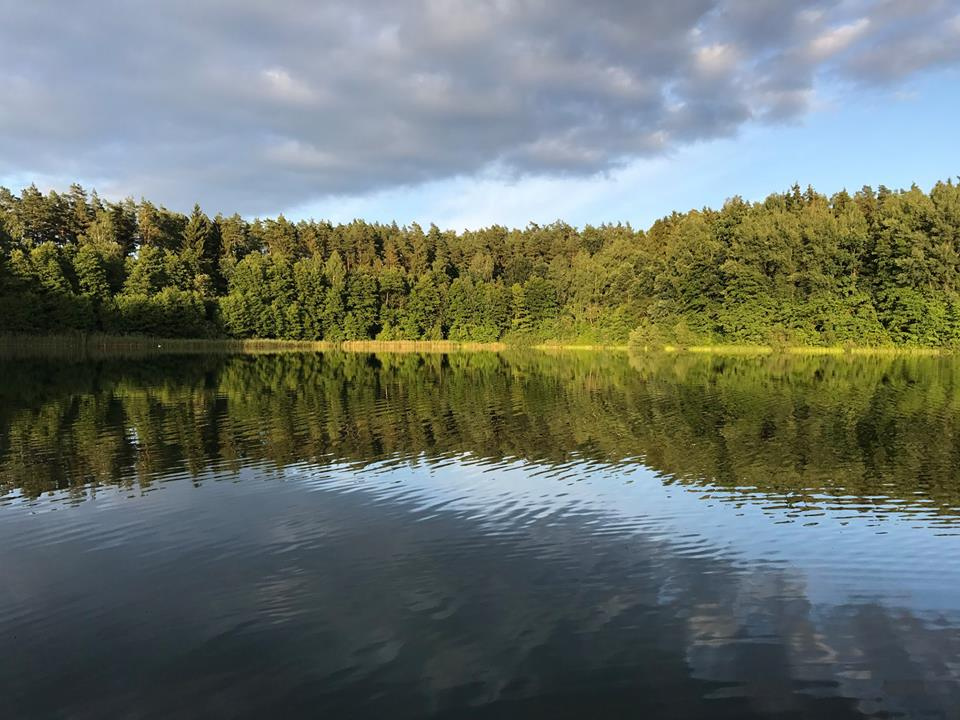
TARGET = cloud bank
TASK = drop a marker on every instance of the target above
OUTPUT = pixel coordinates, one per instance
(259, 105)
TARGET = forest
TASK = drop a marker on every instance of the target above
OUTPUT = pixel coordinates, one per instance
(876, 267)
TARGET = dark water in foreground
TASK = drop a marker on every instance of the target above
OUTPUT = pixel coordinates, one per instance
(480, 536)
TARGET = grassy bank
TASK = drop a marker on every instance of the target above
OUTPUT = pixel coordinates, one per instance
(720, 349)
(576, 346)
(80, 345)
(77, 345)
(418, 346)
(794, 350)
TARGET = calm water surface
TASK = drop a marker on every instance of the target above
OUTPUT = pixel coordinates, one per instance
(491, 536)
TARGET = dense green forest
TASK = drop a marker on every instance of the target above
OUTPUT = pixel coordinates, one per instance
(873, 268)
(812, 430)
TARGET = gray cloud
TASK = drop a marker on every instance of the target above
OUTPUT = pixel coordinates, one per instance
(258, 105)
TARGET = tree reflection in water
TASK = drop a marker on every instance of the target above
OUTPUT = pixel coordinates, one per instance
(429, 543)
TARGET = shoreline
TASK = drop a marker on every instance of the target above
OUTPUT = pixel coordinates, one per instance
(14, 345)
(31, 344)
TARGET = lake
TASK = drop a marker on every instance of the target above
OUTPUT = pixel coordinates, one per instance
(529, 535)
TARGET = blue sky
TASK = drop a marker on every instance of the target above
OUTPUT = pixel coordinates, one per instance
(474, 112)
(893, 137)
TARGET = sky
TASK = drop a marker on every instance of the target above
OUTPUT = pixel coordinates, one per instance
(476, 112)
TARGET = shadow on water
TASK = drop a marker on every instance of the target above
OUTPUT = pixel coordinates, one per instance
(480, 536)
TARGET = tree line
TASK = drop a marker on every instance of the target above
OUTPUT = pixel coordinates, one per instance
(875, 267)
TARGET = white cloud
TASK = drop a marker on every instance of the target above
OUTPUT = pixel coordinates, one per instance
(252, 105)
(280, 85)
(717, 59)
(838, 39)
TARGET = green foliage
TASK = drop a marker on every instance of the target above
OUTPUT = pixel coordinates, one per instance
(93, 282)
(648, 335)
(362, 305)
(423, 316)
(310, 288)
(169, 313)
(797, 268)
(147, 272)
